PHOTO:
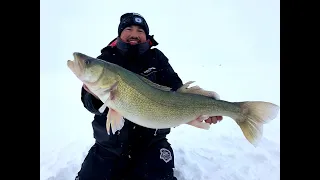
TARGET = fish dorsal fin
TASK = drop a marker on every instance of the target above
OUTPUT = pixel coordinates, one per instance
(197, 90)
(160, 87)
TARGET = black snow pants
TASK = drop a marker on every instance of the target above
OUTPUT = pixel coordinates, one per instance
(154, 163)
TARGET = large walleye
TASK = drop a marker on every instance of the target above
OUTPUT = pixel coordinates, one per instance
(133, 97)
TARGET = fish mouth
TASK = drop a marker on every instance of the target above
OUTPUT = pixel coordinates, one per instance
(78, 65)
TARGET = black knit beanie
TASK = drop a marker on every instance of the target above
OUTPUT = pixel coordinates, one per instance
(129, 19)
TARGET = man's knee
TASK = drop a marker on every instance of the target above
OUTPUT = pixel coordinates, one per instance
(96, 165)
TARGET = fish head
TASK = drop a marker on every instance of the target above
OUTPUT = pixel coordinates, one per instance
(86, 68)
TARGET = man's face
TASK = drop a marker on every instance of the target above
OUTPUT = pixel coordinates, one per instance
(133, 35)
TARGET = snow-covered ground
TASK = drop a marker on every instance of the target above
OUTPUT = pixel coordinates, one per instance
(220, 153)
(229, 46)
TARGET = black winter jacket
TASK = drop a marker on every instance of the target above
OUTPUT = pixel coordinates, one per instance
(152, 64)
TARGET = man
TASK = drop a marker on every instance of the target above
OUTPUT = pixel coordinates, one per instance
(134, 152)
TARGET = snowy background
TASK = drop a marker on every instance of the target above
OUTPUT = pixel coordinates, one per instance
(229, 46)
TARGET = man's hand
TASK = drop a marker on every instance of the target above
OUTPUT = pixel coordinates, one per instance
(213, 119)
(199, 121)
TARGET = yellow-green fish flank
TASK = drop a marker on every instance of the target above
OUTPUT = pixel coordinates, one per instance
(132, 97)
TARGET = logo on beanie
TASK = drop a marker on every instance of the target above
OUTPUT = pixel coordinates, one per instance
(138, 20)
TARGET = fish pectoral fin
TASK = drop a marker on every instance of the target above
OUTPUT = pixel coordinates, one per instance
(112, 90)
(197, 90)
(199, 124)
(108, 88)
(114, 86)
(115, 120)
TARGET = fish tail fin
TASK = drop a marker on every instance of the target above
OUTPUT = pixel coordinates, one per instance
(254, 115)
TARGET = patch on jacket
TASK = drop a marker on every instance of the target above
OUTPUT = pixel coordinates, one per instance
(165, 155)
(149, 71)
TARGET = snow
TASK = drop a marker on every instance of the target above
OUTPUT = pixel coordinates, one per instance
(239, 60)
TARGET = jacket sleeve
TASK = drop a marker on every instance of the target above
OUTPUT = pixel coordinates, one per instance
(91, 103)
(167, 76)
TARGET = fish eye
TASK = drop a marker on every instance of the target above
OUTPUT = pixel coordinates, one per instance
(87, 61)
